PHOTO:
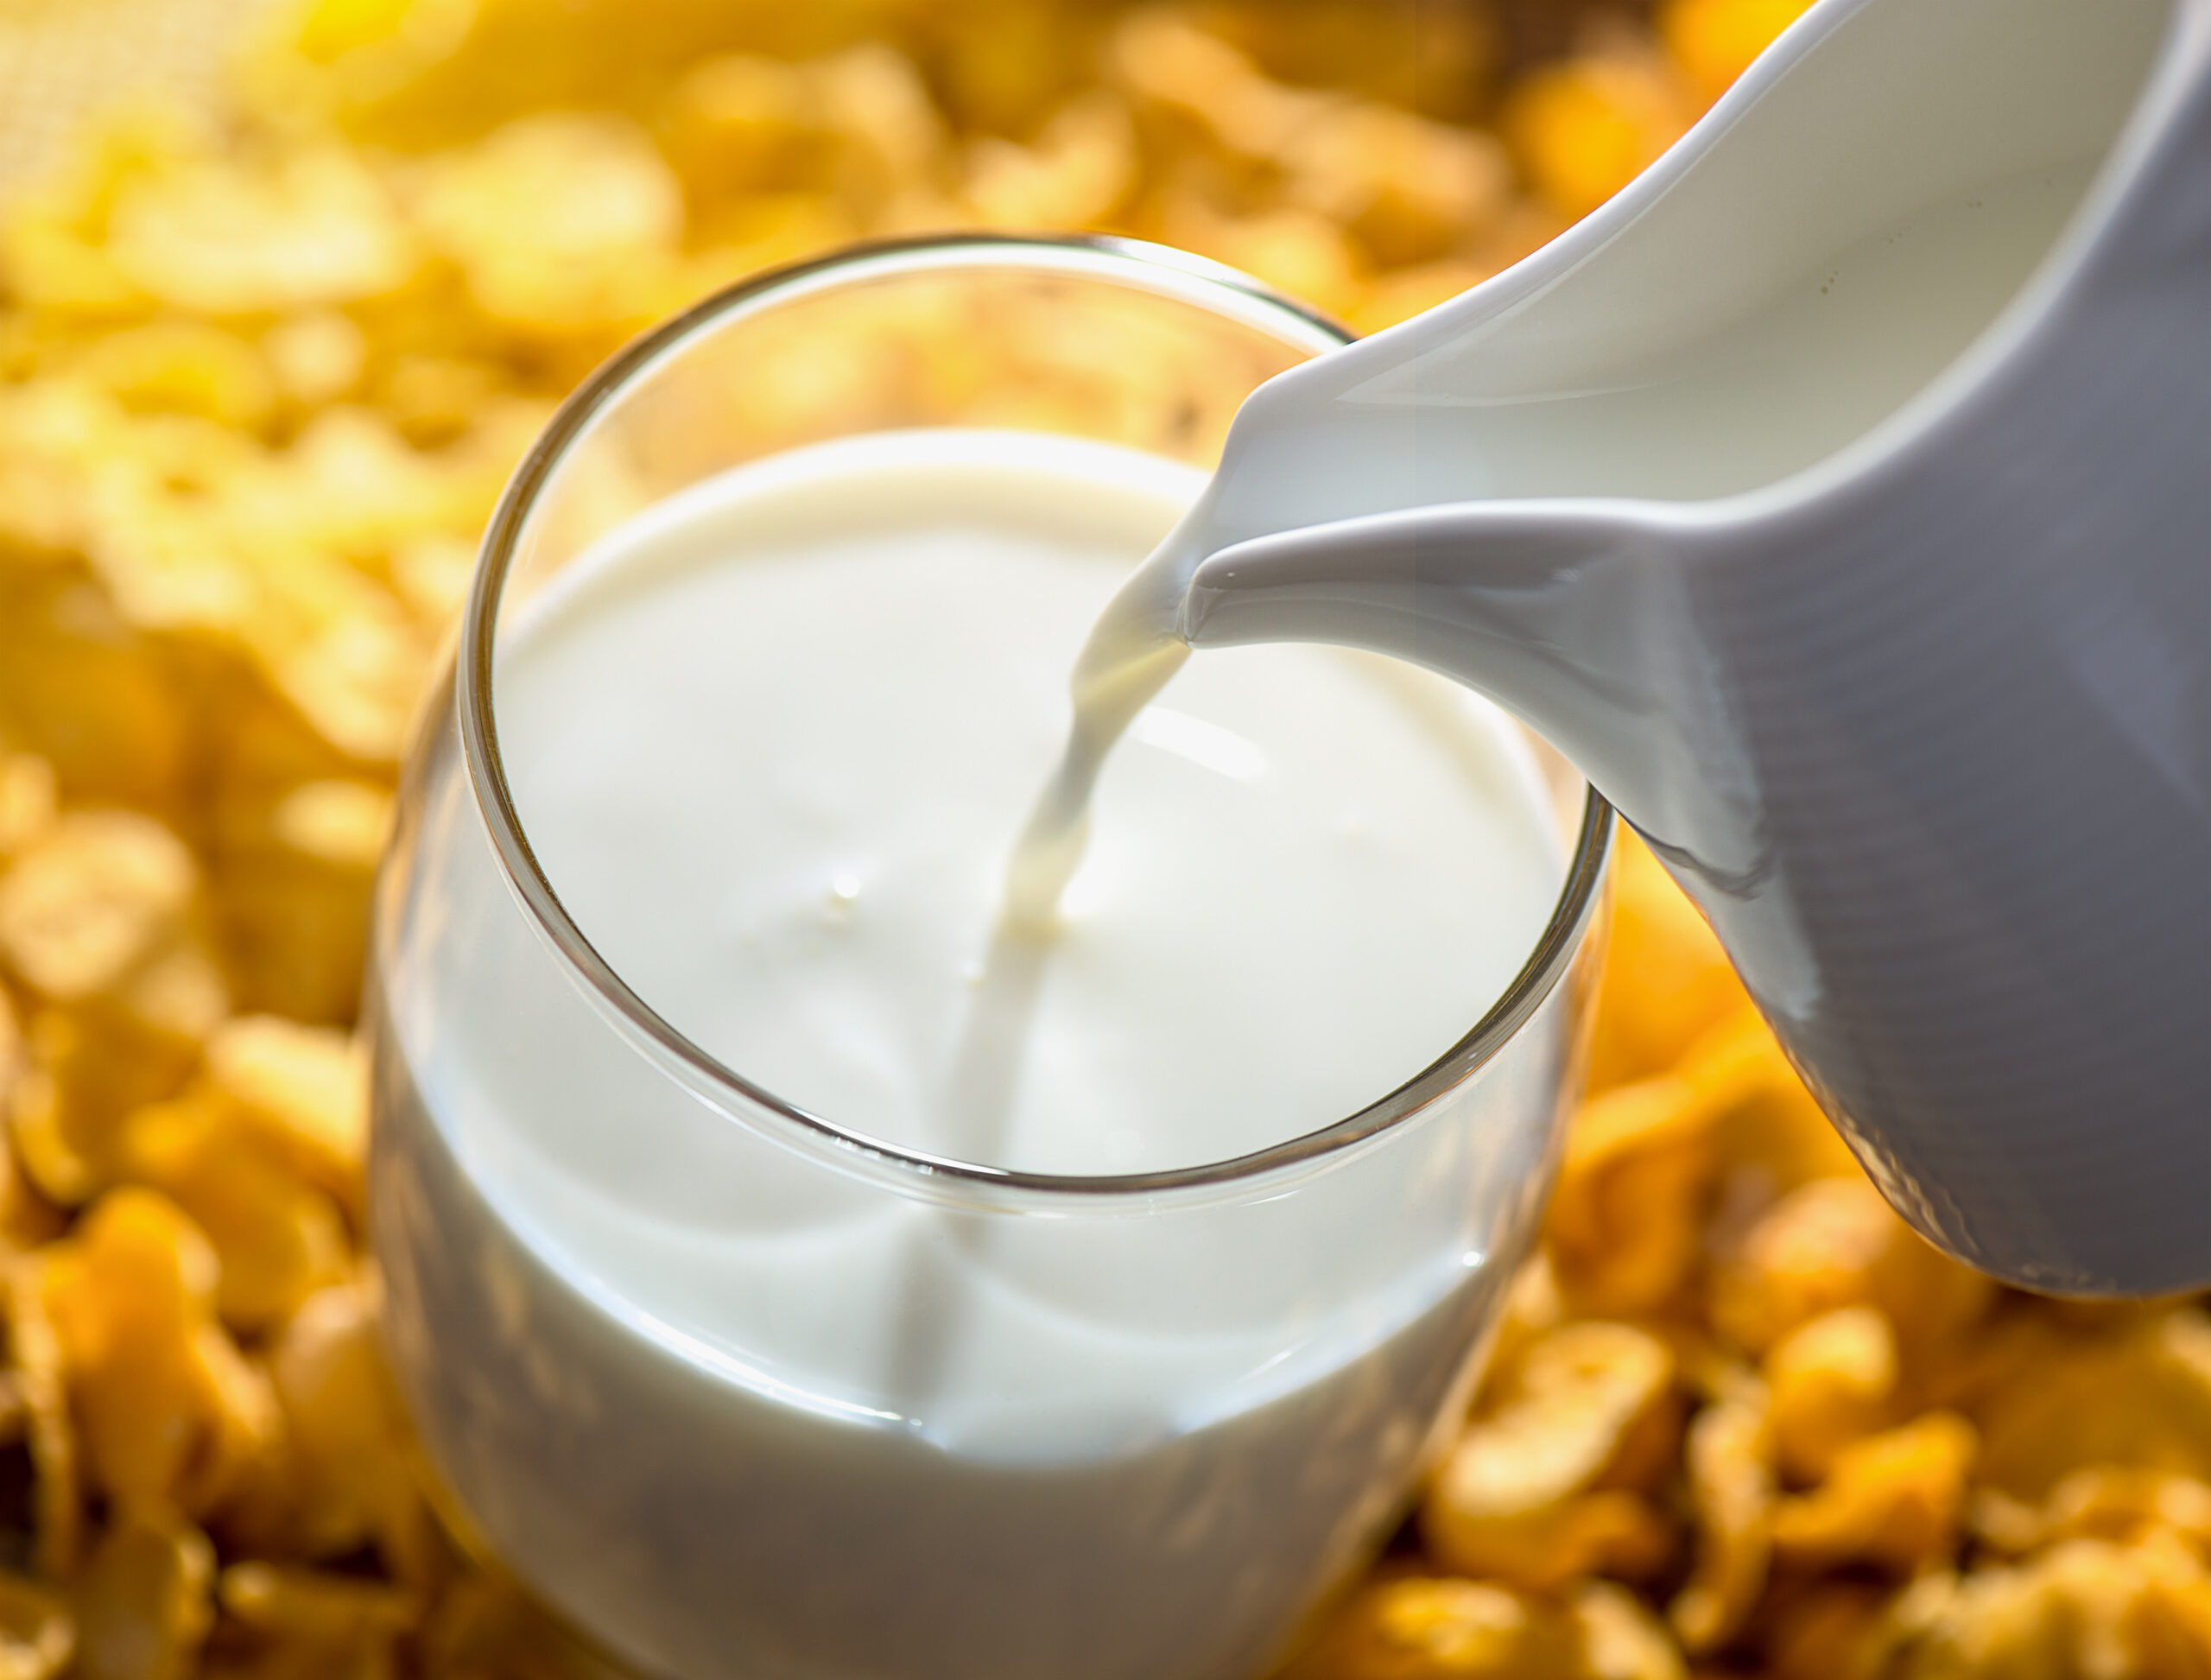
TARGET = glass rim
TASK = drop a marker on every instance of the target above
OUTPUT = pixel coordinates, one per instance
(1158, 270)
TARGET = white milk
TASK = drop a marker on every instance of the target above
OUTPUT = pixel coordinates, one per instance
(771, 745)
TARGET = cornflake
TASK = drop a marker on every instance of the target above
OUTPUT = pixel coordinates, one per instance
(38, 1633)
(552, 219)
(1731, 1482)
(1550, 1484)
(1832, 1381)
(88, 903)
(142, 1603)
(227, 236)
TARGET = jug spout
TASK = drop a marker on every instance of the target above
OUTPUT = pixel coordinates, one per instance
(1576, 618)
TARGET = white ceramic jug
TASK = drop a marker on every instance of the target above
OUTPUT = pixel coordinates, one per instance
(1839, 499)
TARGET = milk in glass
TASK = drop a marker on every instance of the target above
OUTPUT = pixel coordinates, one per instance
(772, 744)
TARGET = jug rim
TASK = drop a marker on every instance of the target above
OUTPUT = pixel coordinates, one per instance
(1161, 269)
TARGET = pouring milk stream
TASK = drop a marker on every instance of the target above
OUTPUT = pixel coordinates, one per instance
(1839, 500)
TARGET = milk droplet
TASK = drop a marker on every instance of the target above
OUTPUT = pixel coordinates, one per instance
(844, 894)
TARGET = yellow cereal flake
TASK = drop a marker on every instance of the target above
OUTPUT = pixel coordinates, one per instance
(131, 1292)
(90, 902)
(302, 1089)
(311, 1605)
(35, 1366)
(484, 1625)
(1731, 1484)
(352, 485)
(225, 237)
(1714, 41)
(11, 1050)
(89, 1068)
(744, 124)
(315, 356)
(1412, 1627)
(277, 1238)
(55, 266)
(1625, 1221)
(27, 1218)
(1533, 1309)
(185, 367)
(246, 1439)
(292, 893)
(340, 822)
(1834, 1243)
(1298, 251)
(1410, 191)
(38, 1633)
(55, 238)
(328, 31)
(2087, 1607)
(1163, 58)
(1583, 130)
(1645, 1026)
(1426, 1629)
(554, 220)
(1831, 1628)
(897, 147)
(2103, 1502)
(1399, 296)
(1621, 1640)
(1833, 1382)
(143, 1604)
(265, 370)
(432, 576)
(2058, 1402)
(1548, 1483)
(1077, 172)
(1893, 1501)
(30, 797)
(355, 678)
(1769, 1136)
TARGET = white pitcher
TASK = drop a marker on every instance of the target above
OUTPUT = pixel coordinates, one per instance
(1839, 499)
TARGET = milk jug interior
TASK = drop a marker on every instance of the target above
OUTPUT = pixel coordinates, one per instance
(1846, 232)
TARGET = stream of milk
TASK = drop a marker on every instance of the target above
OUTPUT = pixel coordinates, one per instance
(1815, 365)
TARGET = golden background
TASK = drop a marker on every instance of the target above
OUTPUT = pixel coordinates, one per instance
(270, 342)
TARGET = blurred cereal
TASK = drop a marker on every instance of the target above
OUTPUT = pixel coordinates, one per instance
(1731, 1488)
(142, 1602)
(1548, 1482)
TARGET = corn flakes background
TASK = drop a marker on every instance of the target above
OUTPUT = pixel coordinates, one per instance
(267, 353)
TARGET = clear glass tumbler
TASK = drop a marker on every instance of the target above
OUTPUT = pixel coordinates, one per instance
(699, 1500)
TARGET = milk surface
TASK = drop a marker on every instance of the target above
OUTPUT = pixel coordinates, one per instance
(773, 749)
(743, 1413)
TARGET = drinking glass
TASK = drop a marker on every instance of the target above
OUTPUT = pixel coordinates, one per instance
(706, 1501)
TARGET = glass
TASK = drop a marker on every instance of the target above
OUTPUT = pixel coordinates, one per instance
(703, 1503)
